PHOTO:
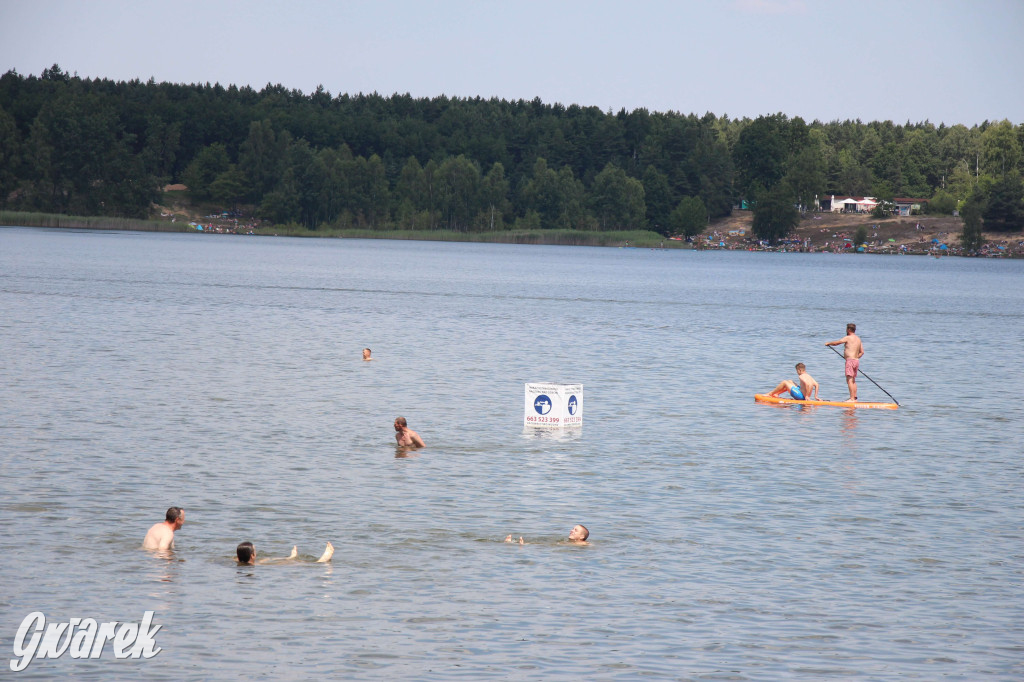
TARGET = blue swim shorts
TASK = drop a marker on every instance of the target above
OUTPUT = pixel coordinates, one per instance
(797, 393)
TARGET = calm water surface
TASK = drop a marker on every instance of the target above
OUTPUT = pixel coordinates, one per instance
(730, 540)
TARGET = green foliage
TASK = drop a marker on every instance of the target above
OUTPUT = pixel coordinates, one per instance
(860, 235)
(617, 200)
(689, 218)
(943, 203)
(971, 238)
(1004, 210)
(69, 144)
(209, 163)
(775, 213)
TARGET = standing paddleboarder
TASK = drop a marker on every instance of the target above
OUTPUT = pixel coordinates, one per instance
(853, 351)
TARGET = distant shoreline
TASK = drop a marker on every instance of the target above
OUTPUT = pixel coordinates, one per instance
(552, 237)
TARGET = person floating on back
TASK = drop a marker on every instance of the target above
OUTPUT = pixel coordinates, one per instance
(578, 535)
(807, 389)
(246, 553)
(161, 535)
(853, 351)
(405, 436)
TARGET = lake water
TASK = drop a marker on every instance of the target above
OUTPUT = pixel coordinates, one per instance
(730, 540)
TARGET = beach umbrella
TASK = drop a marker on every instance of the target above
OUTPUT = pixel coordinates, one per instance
(935, 241)
(943, 246)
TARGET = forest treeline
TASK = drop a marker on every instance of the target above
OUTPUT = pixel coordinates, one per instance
(99, 147)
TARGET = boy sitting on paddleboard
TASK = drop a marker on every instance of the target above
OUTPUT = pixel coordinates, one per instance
(806, 390)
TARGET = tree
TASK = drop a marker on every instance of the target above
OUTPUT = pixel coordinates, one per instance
(200, 173)
(860, 235)
(9, 156)
(775, 213)
(806, 175)
(494, 197)
(762, 151)
(971, 239)
(230, 186)
(658, 198)
(261, 157)
(1004, 211)
(689, 218)
(1000, 149)
(617, 200)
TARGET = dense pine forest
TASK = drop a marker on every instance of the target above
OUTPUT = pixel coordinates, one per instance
(97, 147)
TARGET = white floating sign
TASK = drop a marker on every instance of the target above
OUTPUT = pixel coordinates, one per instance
(553, 405)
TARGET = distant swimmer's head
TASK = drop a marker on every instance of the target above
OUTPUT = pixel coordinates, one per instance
(579, 534)
(246, 553)
(400, 423)
(175, 516)
(366, 354)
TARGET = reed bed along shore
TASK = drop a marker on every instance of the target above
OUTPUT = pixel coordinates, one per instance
(26, 219)
(639, 238)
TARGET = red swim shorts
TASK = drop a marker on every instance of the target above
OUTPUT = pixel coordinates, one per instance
(852, 365)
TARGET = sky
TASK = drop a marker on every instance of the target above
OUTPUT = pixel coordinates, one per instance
(945, 61)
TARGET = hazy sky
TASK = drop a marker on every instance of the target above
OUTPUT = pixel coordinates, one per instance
(952, 61)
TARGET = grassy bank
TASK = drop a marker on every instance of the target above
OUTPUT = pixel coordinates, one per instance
(640, 238)
(24, 219)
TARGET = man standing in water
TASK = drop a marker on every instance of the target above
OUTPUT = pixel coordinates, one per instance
(853, 351)
(161, 535)
(366, 355)
(406, 436)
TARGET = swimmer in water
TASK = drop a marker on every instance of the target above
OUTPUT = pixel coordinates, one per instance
(366, 355)
(161, 535)
(405, 436)
(578, 535)
(246, 554)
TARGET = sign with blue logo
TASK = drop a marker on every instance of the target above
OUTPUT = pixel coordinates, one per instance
(553, 405)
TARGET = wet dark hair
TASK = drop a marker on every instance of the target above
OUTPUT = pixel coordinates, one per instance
(245, 552)
(173, 514)
(401, 421)
(851, 327)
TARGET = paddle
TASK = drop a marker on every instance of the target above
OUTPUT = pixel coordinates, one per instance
(868, 378)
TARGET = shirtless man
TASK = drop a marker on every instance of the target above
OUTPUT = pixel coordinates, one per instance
(161, 535)
(853, 351)
(246, 554)
(807, 390)
(406, 436)
(577, 535)
(366, 355)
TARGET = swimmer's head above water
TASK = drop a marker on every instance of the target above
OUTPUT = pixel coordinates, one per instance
(579, 533)
(246, 553)
(366, 354)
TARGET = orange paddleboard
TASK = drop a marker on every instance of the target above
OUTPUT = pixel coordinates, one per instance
(764, 398)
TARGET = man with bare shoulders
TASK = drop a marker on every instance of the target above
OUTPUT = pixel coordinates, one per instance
(578, 535)
(366, 355)
(406, 436)
(853, 351)
(161, 535)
